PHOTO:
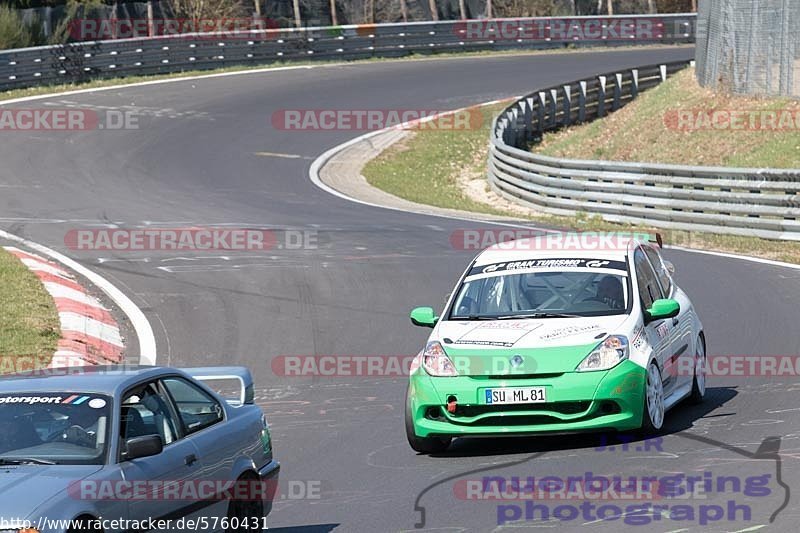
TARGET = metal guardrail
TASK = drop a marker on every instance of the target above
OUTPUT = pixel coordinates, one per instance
(160, 55)
(741, 201)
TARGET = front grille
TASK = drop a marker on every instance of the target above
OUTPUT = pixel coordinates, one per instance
(564, 408)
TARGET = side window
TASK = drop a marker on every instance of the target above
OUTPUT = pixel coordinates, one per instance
(196, 408)
(649, 290)
(145, 411)
(661, 270)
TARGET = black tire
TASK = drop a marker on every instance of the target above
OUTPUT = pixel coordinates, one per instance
(652, 424)
(246, 514)
(424, 444)
(699, 385)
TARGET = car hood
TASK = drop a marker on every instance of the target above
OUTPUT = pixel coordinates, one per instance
(543, 346)
(23, 488)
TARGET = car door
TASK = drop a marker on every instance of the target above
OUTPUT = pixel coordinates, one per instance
(657, 331)
(681, 338)
(202, 418)
(145, 410)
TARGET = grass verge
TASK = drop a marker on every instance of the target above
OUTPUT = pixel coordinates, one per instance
(682, 123)
(29, 324)
(431, 167)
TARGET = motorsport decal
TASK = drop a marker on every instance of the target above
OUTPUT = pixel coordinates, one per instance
(547, 263)
(505, 334)
(74, 399)
(567, 331)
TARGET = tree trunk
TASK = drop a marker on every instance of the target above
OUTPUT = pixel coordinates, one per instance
(296, 7)
(610, 4)
(489, 13)
(404, 10)
(651, 6)
(462, 8)
(150, 26)
(257, 5)
(434, 9)
(694, 6)
(334, 18)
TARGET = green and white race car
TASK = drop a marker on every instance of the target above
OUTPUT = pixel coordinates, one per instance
(542, 337)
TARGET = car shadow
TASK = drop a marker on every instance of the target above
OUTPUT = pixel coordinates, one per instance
(680, 418)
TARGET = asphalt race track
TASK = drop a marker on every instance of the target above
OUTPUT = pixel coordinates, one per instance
(193, 161)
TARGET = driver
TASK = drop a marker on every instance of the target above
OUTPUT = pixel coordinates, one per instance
(609, 291)
(83, 427)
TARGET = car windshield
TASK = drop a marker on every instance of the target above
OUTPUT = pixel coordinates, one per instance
(57, 427)
(536, 293)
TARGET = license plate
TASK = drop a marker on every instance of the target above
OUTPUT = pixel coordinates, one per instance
(515, 395)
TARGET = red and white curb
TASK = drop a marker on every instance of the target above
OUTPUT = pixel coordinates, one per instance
(89, 334)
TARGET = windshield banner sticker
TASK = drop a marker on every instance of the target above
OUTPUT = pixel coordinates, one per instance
(74, 399)
(547, 263)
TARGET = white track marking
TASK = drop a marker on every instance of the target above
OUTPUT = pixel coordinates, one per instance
(156, 82)
(57, 290)
(144, 332)
(91, 327)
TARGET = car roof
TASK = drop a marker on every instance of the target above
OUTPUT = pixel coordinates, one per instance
(101, 379)
(556, 248)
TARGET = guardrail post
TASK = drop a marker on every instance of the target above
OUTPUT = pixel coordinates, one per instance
(663, 70)
(540, 112)
(634, 83)
(601, 96)
(552, 108)
(582, 102)
(567, 105)
(527, 108)
(617, 91)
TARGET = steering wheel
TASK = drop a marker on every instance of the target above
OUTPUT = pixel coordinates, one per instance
(74, 435)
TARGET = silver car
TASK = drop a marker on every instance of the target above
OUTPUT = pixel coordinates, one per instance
(133, 448)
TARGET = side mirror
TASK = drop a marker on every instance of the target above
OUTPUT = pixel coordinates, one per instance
(664, 308)
(143, 446)
(423, 316)
(669, 266)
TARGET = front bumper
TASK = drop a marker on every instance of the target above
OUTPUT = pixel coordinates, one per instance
(576, 401)
(269, 475)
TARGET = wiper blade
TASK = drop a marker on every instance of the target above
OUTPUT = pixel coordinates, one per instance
(25, 460)
(474, 317)
(537, 315)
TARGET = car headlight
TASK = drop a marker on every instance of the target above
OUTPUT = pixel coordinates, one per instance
(436, 362)
(608, 354)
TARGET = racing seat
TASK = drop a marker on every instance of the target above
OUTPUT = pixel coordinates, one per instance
(609, 292)
(132, 424)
